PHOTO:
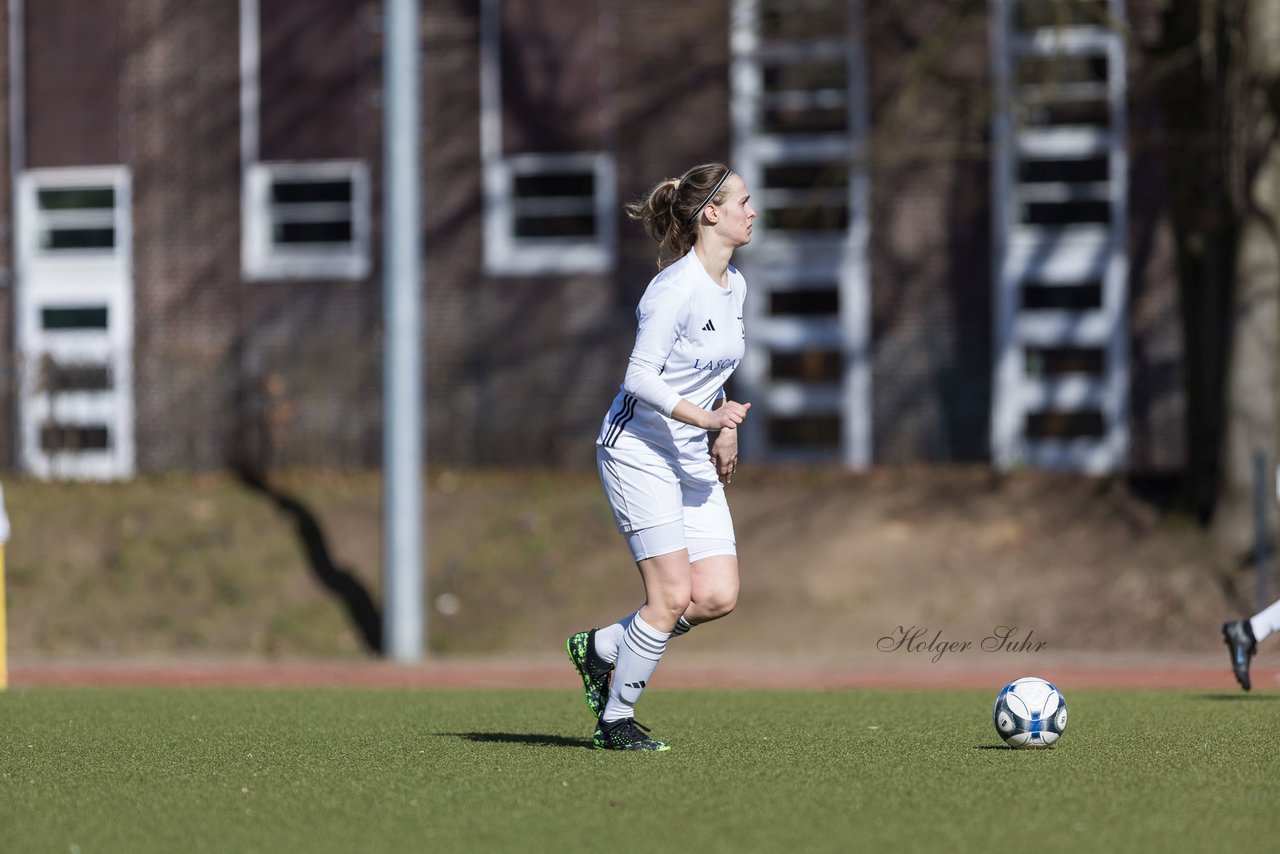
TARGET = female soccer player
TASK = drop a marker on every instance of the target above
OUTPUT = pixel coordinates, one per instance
(669, 443)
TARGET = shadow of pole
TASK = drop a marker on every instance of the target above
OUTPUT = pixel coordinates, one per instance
(361, 609)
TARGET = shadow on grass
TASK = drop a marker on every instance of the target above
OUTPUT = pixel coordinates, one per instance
(534, 738)
(1241, 698)
(1048, 749)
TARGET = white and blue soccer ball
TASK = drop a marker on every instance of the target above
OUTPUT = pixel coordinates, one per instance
(1030, 712)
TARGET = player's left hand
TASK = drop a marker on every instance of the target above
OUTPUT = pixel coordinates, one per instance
(724, 453)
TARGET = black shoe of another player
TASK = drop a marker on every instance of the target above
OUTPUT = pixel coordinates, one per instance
(625, 734)
(1238, 635)
(593, 669)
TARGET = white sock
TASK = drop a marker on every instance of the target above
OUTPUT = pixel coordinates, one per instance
(642, 648)
(1266, 622)
(609, 638)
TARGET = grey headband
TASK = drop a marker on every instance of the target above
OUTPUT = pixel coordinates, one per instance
(698, 211)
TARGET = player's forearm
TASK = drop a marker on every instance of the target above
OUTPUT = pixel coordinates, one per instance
(644, 382)
(724, 417)
(692, 414)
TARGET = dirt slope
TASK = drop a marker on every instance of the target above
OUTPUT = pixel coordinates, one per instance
(212, 567)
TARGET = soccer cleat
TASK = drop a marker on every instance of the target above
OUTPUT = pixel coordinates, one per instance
(625, 734)
(593, 669)
(1238, 635)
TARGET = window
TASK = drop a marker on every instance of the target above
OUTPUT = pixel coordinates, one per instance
(74, 322)
(73, 317)
(549, 185)
(75, 220)
(306, 195)
(1060, 397)
(549, 213)
(307, 220)
(800, 122)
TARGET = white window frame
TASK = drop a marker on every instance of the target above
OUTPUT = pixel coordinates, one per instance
(75, 278)
(779, 260)
(504, 252)
(32, 221)
(266, 259)
(1062, 256)
(261, 258)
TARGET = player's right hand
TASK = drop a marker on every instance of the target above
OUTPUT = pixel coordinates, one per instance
(728, 416)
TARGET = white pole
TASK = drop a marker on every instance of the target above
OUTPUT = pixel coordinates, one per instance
(404, 584)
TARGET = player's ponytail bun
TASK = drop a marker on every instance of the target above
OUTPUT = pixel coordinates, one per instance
(670, 211)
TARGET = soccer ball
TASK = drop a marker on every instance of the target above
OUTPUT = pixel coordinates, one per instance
(1030, 712)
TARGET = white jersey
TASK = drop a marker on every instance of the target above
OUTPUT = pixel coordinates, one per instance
(689, 340)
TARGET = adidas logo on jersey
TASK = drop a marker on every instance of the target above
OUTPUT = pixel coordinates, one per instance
(710, 327)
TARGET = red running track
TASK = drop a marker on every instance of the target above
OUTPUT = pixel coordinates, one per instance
(1130, 674)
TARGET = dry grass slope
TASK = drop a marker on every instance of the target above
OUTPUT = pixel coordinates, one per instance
(210, 566)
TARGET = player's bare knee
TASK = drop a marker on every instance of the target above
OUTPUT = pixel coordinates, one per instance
(672, 604)
(721, 607)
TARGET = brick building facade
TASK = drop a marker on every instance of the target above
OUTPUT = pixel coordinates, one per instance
(237, 145)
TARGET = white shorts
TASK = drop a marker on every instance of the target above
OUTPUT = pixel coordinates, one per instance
(660, 507)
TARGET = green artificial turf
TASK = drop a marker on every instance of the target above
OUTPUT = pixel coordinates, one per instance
(141, 770)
